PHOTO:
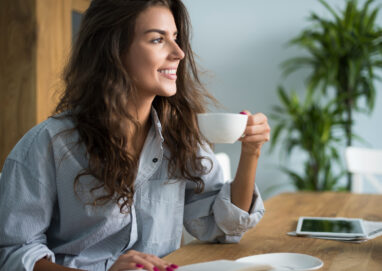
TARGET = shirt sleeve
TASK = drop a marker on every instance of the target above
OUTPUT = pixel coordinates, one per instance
(211, 216)
(25, 214)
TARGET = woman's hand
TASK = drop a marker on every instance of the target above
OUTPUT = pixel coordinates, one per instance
(133, 260)
(256, 133)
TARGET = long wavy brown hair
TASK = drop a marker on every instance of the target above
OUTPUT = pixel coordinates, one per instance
(98, 86)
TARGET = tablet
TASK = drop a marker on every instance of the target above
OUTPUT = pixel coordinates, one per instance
(331, 226)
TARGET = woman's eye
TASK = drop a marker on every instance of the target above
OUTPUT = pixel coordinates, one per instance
(158, 40)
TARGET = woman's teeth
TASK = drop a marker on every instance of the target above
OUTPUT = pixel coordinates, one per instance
(171, 71)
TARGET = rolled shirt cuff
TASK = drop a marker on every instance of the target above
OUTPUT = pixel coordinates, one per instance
(25, 257)
(232, 220)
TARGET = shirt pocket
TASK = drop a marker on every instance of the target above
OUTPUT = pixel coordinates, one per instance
(163, 191)
(160, 207)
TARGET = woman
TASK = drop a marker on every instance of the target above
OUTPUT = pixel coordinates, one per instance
(109, 180)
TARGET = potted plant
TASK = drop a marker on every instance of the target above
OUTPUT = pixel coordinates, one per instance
(343, 53)
(311, 128)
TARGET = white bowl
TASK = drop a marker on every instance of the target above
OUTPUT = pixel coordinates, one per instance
(222, 127)
(285, 261)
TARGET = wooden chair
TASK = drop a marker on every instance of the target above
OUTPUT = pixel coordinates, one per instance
(364, 164)
(225, 163)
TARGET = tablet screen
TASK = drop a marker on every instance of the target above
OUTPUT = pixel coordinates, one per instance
(331, 226)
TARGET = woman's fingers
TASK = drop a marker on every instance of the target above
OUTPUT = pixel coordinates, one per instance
(158, 264)
(257, 129)
(257, 118)
(133, 260)
(130, 262)
(255, 138)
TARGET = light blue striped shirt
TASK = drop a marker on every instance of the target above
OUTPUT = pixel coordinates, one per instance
(41, 215)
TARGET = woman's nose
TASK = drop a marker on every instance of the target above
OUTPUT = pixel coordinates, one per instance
(177, 53)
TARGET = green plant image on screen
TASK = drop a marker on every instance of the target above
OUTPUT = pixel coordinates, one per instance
(331, 226)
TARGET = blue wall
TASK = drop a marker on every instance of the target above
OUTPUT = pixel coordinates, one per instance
(240, 44)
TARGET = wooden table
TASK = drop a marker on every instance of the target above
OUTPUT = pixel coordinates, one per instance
(281, 216)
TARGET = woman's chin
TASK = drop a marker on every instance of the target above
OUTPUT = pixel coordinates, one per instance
(167, 93)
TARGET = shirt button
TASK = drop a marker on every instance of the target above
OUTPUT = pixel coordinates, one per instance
(155, 160)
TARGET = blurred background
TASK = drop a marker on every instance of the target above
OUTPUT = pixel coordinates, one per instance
(240, 46)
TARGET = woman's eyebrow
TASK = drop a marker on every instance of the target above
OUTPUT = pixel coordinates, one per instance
(162, 32)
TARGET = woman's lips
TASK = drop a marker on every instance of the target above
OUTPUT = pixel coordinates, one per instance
(168, 73)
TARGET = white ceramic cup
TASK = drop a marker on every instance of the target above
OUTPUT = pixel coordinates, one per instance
(222, 127)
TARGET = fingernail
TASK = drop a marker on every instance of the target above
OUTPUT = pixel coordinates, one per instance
(169, 269)
(243, 113)
(139, 265)
(156, 268)
(174, 266)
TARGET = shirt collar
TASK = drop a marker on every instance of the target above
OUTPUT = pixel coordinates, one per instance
(156, 123)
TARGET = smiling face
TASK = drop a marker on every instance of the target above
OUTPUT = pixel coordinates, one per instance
(154, 55)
